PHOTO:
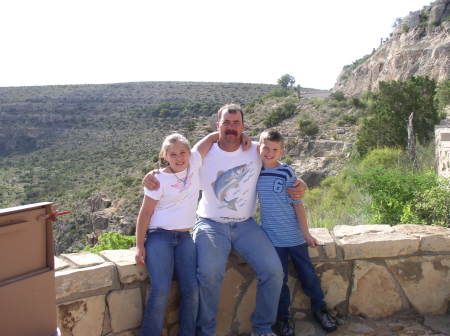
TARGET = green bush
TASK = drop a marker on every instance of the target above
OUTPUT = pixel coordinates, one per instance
(383, 158)
(347, 120)
(112, 241)
(386, 123)
(338, 95)
(391, 190)
(356, 102)
(336, 201)
(442, 96)
(281, 113)
(307, 127)
(431, 206)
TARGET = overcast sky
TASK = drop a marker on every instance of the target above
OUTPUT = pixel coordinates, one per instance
(48, 42)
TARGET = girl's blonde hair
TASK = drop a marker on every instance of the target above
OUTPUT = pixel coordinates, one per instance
(168, 141)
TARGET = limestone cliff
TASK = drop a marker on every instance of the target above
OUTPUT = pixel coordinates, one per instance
(418, 46)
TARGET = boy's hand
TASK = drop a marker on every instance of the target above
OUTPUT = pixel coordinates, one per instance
(297, 191)
(312, 242)
(246, 142)
(150, 181)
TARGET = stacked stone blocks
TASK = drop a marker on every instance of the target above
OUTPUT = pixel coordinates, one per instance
(368, 270)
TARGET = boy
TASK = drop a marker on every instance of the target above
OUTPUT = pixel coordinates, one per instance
(284, 222)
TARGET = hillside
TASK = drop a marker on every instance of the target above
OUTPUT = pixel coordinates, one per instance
(418, 46)
(69, 144)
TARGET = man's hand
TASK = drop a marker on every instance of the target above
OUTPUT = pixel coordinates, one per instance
(150, 181)
(312, 242)
(246, 141)
(298, 190)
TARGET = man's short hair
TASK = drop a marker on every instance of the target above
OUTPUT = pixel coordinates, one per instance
(230, 108)
(271, 135)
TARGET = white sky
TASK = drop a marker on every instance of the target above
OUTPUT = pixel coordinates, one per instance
(108, 41)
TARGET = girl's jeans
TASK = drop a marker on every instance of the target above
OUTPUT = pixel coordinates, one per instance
(166, 252)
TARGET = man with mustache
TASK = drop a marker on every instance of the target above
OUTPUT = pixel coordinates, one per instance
(228, 180)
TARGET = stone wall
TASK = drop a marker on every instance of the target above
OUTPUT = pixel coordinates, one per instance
(368, 270)
(442, 145)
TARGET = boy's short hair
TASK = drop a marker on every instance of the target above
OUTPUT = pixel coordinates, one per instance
(271, 135)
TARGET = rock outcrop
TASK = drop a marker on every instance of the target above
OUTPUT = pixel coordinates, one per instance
(418, 46)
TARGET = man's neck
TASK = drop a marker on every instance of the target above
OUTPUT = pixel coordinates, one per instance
(228, 147)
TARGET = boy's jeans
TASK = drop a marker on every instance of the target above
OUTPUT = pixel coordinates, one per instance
(306, 275)
(214, 242)
(167, 251)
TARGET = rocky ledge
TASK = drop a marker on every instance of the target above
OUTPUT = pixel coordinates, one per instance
(369, 273)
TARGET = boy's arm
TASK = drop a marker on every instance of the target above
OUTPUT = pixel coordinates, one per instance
(145, 214)
(303, 223)
(204, 145)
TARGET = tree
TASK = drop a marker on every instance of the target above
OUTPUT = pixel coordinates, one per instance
(286, 81)
(386, 124)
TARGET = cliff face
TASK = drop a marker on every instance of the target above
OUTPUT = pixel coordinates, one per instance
(418, 46)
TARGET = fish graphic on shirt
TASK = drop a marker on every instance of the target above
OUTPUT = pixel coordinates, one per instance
(228, 180)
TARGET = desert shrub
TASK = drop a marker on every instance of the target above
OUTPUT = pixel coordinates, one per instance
(385, 125)
(112, 241)
(307, 127)
(356, 102)
(392, 190)
(431, 206)
(338, 95)
(279, 114)
(383, 158)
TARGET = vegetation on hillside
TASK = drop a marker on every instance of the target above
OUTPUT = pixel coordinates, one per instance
(389, 110)
(382, 188)
(380, 184)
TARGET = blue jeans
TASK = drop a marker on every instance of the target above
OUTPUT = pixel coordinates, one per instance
(214, 242)
(306, 275)
(166, 252)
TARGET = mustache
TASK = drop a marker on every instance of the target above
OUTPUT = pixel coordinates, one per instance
(227, 132)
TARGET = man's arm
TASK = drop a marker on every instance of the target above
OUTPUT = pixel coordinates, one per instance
(298, 189)
(145, 214)
(303, 223)
(150, 181)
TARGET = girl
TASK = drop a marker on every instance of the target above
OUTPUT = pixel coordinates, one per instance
(165, 218)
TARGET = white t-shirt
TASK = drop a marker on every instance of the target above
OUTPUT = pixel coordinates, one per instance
(228, 181)
(177, 200)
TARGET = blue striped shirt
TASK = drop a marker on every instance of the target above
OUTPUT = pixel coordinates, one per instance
(278, 217)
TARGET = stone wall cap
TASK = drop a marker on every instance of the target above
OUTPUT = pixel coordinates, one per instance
(341, 231)
(83, 259)
(60, 264)
(129, 272)
(120, 257)
(378, 245)
(84, 269)
(328, 246)
(422, 230)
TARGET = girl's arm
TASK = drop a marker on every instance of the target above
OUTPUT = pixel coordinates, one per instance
(145, 214)
(303, 223)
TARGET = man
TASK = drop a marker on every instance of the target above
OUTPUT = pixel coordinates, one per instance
(228, 180)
